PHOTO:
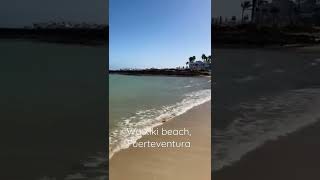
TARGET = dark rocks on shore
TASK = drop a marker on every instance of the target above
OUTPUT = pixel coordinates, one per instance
(247, 36)
(165, 72)
(85, 36)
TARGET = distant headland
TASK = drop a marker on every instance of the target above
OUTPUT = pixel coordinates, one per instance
(165, 72)
(253, 36)
(193, 68)
(60, 32)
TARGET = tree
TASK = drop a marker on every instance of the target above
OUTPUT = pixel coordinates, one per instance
(204, 57)
(209, 59)
(245, 6)
(191, 60)
(253, 10)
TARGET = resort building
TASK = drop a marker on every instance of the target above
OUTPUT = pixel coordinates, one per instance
(199, 65)
(276, 12)
(286, 12)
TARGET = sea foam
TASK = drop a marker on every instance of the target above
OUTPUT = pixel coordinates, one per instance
(263, 120)
(145, 120)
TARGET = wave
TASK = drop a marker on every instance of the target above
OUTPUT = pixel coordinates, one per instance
(263, 120)
(145, 120)
(93, 168)
(246, 79)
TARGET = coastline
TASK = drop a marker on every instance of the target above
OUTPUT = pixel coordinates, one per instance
(249, 36)
(79, 36)
(160, 72)
(299, 48)
(170, 163)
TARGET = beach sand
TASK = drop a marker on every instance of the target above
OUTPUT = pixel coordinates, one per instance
(192, 163)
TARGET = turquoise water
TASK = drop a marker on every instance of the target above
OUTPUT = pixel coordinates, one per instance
(144, 101)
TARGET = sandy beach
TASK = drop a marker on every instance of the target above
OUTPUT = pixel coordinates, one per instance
(170, 163)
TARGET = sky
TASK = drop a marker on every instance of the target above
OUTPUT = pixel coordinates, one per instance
(158, 33)
(17, 13)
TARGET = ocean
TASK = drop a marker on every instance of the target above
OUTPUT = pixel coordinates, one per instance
(143, 102)
(260, 95)
(53, 110)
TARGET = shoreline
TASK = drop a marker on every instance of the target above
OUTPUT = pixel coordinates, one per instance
(270, 47)
(251, 36)
(298, 48)
(267, 47)
(170, 163)
(292, 156)
(79, 36)
(161, 72)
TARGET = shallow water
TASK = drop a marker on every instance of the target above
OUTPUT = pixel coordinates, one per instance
(143, 102)
(260, 95)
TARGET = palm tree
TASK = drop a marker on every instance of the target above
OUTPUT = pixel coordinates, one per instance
(191, 60)
(245, 6)
(204, 57)
(209, 59)
(253, 10)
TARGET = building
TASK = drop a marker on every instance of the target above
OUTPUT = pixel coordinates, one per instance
(276, 12)
(199, 65)
(287, 12)
(310, 11)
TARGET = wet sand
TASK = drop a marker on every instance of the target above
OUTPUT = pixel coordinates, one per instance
(170, 163)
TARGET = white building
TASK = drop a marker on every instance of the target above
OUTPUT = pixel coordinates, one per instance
(199, 65)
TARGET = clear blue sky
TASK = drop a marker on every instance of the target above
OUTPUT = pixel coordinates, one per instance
(158, 33)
